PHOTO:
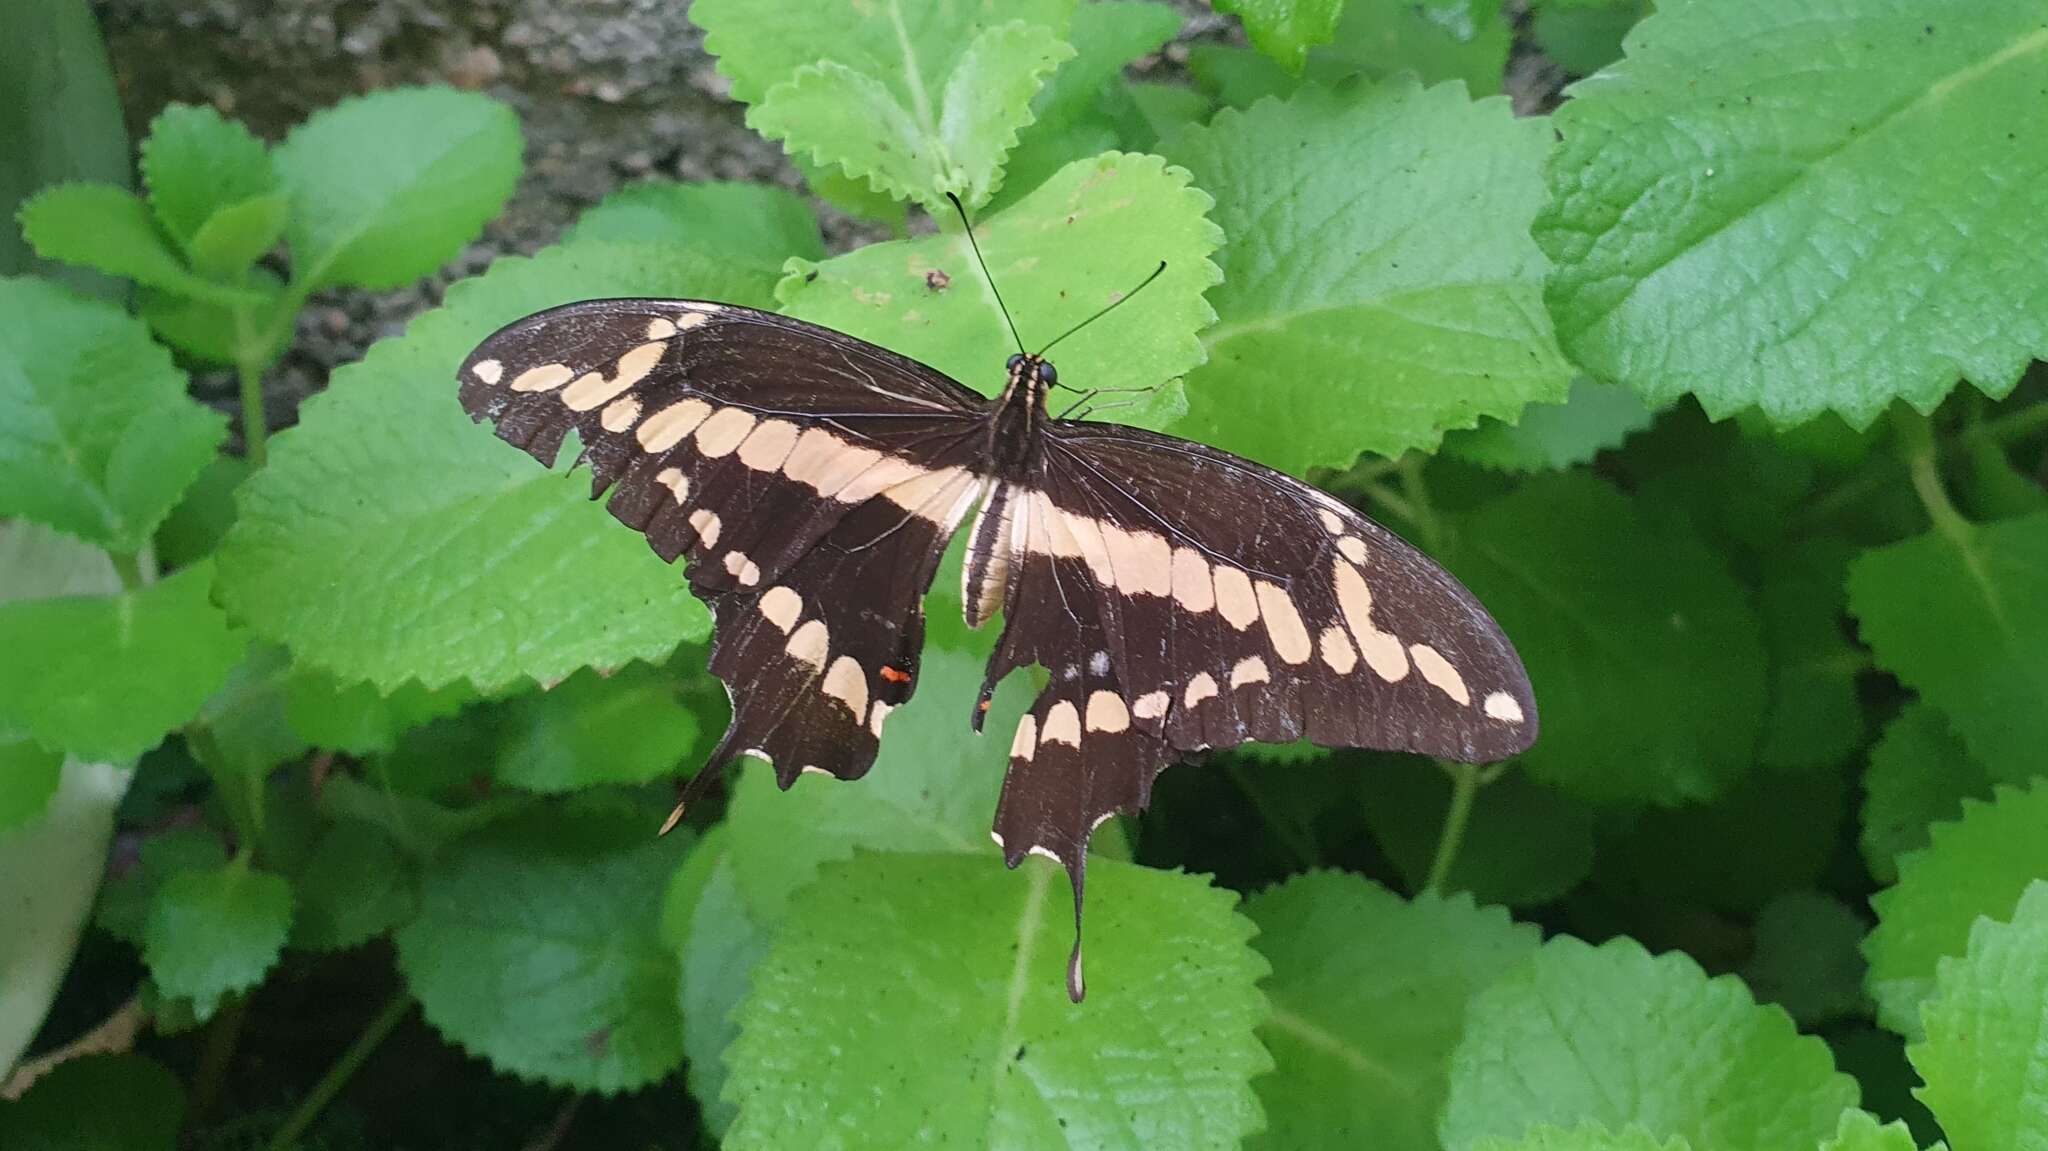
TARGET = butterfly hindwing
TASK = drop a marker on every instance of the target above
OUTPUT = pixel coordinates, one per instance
(788, 464)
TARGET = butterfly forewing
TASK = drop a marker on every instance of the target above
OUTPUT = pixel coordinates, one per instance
(811, 481)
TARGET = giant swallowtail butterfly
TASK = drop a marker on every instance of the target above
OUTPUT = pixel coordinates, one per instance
(1180, 598)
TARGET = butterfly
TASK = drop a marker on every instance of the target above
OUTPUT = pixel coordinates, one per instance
(1179, 598)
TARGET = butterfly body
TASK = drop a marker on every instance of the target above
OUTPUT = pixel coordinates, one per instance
(1178, 597)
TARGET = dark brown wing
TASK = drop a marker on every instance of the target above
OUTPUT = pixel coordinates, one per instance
(810, 479)
(1183, 599)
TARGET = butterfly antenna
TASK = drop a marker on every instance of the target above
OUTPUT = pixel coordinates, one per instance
(1106, 307)
(1004, 308)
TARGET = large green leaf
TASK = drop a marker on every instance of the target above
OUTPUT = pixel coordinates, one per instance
(627, 727)
(385, 187)
(1961, 615)
(1860, 1131)
(1644, 653)
(718, 941)
(536, 948)
(97, 1103)
(466, 561)
(97, 436)
(1805, 958)
(1815, 717)
(1465, 40)
(197, 164)
(1585, 1137)
(917, 99)
(755, 225)
(1614, 1036)
(1380, 286)
(1080, 241)
(1976, 866)
(109, 228)
(1547, 437)
(215, 931)
(1761, 202)
(962, 1011)
(1286, 29)
(1369, 993)
(1983, 1058)
(1918, 776)
(104, 677)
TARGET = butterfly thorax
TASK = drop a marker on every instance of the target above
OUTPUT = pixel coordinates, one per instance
(1017, 417)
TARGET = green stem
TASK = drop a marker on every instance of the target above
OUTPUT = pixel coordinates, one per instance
(223, 1035)
(1466, 780)
(129, 566)
(1421, 513)
(1885, 470)
(1916, 439)
(373, 1034)
(255, 428)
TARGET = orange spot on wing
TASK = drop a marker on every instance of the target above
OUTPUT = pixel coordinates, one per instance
(895, 674)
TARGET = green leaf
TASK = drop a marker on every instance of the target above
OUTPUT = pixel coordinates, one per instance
(97, 436)
(196, 164)
(215, 932)
(419, 826)
(1584, 38)
(1614, 1036)
(755, 225)
(386, 187)
(1919, 775)
(1586, 1137)
(1524, 843)
(933, 788)
(1287, 29)
(1815, 717)
(1976, 866)
(28, 778)
(97, 1103)
(1080, 241)
(1961, 616)
(194, 527)
(355, 886)
(1772, 832)
(1805, 958)
(916, 102)
(126, 899)
(104, 677)
(1238, 77)
(1756, 205)
(458, 545)
(628, 727)
(839, 116)
(356, 717)
(1408, 307)
(101, 226)
(213, 332)
(963, 1012)
(1551, 437)
(238, 235)
(536, 948)
(1645, 656)
(1368, 993)
(1859, 1131)
(1435, 39)
(1982, 1057)
(719, 944)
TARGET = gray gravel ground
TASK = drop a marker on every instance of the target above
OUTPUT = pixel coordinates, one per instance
(608, 91)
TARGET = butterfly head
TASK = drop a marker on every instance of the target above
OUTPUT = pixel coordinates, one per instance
(1036, 371)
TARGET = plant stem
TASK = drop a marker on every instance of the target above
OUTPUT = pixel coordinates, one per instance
(1465, 784)
(255, 431)
(1421, 513)
(373, 1034)
(1916, 438)
(1887, 469)
(223, 1035)
(129, 566)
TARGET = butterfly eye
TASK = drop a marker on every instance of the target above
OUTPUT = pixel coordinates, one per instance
(1046, 375)
(1015, 359)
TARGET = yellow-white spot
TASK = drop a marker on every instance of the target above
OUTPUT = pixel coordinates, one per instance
(1049, 532)
(594, 389)
(1087, 534)
(1202, 687)
(1143, 561)
(675, 481)
(1151, 705)
(847, 684)
(1191, 587)
(1438, 670)
(812, 769)
(782, 606)
(720, 434)
(930, 495)
(809, 644)
(885, 473)
(1382, 651)
(1502, 706)
(689, 320)
(744, 570)
(667, 427)
(1353, 549)
(620, 414)
(769, 444)
(1337, 650)
(1023, 746)
(825, 462)
(544, 378)
(707, 524)
(1283, 623)
(1062, 725)
(660, 329)
(1107, 712)
(877, 714)
(1235, 600)
(1250, 669)
(489, 371)
(1332, 523)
